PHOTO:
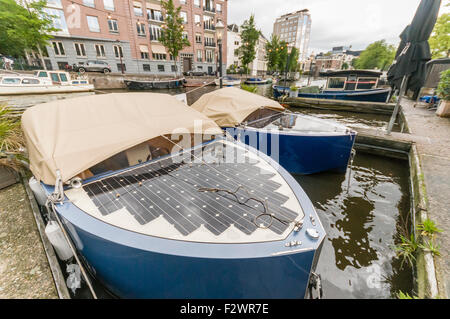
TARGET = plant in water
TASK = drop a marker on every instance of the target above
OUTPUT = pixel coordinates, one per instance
(428, 228)
(429, 246)
(12, 144)
(249, 88)
(407, 249)
(293, 88)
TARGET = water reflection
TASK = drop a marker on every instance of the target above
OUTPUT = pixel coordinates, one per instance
(357, 260)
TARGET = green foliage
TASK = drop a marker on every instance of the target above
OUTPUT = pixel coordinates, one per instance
(440, 38)
(249, 39)
(443, 89)
(249, 88)
(378, 55)
(345, 66)
(273, 52)
(428, 228)
(12, 144)
(407, 249)
(404, 295)
(293, 88)
(23, 28)
(173, 27)
(429, 246)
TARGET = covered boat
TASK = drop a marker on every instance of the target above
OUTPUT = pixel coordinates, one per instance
(156, 84)
(349, 85)
(154, 214)
(228, 81)
(301, 144)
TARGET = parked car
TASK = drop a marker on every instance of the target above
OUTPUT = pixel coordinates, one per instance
(92, 66)
(195, 73)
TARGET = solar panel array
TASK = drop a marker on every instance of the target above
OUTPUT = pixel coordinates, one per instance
(173, 190)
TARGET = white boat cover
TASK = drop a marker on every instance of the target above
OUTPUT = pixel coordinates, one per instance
(73, 135)
(228, 107)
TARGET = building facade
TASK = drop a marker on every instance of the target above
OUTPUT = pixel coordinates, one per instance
(126, 32)
(295, 29)
(233, 43)
(259, 64)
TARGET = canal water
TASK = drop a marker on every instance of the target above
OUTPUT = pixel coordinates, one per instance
(362, 212)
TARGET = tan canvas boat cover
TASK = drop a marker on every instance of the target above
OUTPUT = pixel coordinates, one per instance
(73, 135)
(228, 107)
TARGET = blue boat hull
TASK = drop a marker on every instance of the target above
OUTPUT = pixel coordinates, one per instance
(302, 154)
(134, 265)
(376, 95)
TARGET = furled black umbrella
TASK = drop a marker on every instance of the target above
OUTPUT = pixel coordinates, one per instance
(409, 67)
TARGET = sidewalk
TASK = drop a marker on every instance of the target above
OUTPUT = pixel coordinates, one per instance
(24, 268)
(434, 152)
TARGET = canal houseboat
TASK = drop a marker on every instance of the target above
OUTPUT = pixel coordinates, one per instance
(228, 81)
(301, 144)
(349, 85)
(42, 82)
(154, 215)
(156, 84)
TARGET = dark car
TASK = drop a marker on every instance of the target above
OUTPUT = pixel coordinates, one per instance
(92, 66)
(195, 73)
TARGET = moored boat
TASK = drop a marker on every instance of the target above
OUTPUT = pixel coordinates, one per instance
(301, 144)
(349, 85)
(154, 215)
(228, 81)
(257, 81)
(156, 84)
(42, 82)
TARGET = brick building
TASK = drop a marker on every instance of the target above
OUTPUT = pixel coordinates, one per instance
(109, 30)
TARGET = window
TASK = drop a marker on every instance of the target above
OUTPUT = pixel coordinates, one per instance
(54, 77)
(174, 68)
(108, 5)
(161, 68)
(11, 81)
(184, 16)
(146, 67)
(197, 3)
(118, 52)
(113, 26)
(336, 83)
(199, 55)
(185, 35)
(30, 81)
(209, 56)
(155, 32)
(197, 19)
(58, 19)
(159, 56)
(80, 49)
(63, 77)
(120, 66)
(93, 24)
(137, 8)
(198, 38)
(144, 51)
(366, 83)
(219, 7)
(100, 50)
(154, 15)
(42, 74)
(140, 29)
(58, 47)
(182, 1)
(89, 3)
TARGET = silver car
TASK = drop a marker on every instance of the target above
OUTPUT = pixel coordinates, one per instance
(92, 66)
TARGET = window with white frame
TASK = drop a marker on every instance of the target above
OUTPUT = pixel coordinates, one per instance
(153, 14)
(93, 24)
(144, 52)
(113, 26)
(80, 49)
(137, 8)
(58, 19)
(89, 3)
(197, 19)
(199, 55)
(159, 56)
(197, 3)
(155, 32)
(182, 1)
(209, 56)
(198, 38)
(100, 50)
(183, 15)
(58, 48)
(140, 28)
(185, 35)
(108, 5)
(219, 7)
(118, 52)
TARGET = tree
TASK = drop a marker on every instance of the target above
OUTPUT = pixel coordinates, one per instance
(273, 52)
(25, 27)
(249, 38)
(172, 36)
(345, 66)
(440, 38)
(378, 55)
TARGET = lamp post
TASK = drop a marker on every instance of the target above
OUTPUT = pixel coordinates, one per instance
(289, 49)
(119, 51)
(220, 27)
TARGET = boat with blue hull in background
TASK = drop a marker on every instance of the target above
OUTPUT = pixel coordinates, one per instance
(348, 85)
(257, 81)
(299, 143)
(154, 215)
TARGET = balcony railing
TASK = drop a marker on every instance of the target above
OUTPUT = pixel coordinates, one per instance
(211, 44)
(155, 17)
(210, 10)
(208, 26)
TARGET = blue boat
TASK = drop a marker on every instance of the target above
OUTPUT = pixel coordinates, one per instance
(152, 219)
(301, 144)
(348, 85)
(257, 81)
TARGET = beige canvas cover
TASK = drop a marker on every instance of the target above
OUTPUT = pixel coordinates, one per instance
(228, 107)
(73, 135)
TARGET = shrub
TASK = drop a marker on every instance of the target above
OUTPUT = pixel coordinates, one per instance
(443, 89)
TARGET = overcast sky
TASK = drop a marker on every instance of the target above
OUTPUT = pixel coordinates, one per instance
(334, 22)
